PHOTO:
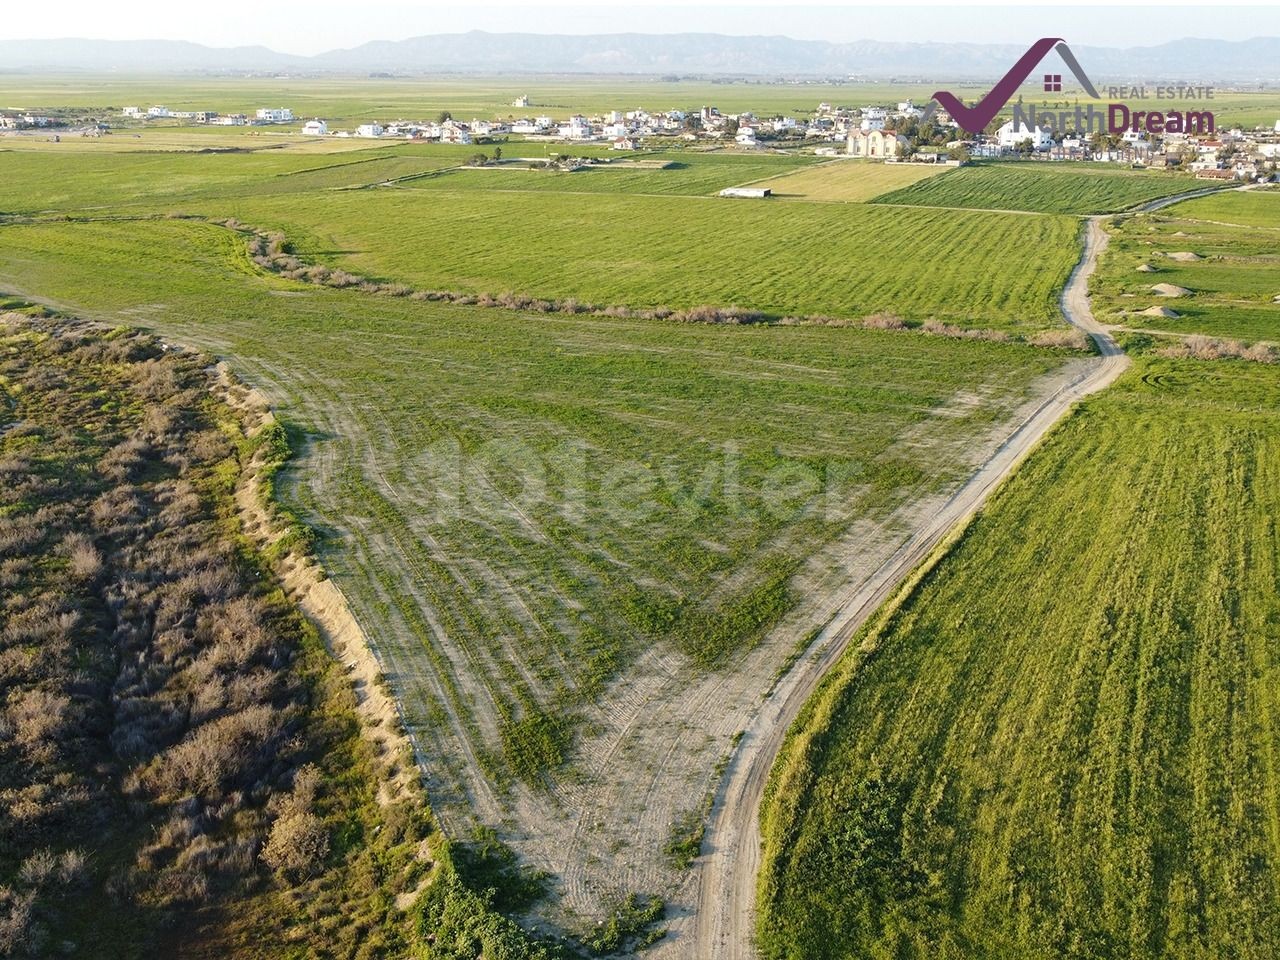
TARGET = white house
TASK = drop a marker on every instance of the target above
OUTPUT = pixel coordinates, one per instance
(315, 128)
(746, 137)
(275, 115)
(451, 132)
(1039, 137)
(369, 130)
(135, 112)
(622, 143)
(521, 101)
(576, 129)
(873, 118)
(526, 126)
(158, 111)
(231, 120)
(618, 129)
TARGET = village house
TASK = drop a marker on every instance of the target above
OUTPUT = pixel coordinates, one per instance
(369, 130)
(315, 128)
(521, 101)
(275, 115)
(1008, 137)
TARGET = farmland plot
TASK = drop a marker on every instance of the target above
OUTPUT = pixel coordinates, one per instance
(583, 547)
(850, 180)
(973, 269)
(1043, 188)
(1061, 741)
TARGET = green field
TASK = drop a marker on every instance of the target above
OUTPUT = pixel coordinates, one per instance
(1042, 187)
(535, 605)
(1232, 288)
(1064, 741)
(613, 235)
(982, 269)
(1250, 208)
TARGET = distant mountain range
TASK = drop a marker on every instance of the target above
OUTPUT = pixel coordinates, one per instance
(682, 54)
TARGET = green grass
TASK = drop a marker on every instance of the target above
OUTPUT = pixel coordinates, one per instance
(1233, 288)
(1064, 742)
(1250, 208)
(33, 182)
(700, 452)
(1042, 187)
(976, 269)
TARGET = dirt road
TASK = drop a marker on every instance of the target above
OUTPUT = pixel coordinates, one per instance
(724, 922)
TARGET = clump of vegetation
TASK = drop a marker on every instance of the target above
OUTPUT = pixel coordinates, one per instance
(685, 843)
(630, 926)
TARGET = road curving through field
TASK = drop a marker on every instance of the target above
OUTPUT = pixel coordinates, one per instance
(722, 926)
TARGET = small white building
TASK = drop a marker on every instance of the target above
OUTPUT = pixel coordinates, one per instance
(134, 112)
(521, 101)
(747, 193)
(622, 143)
(158, 112)
(275, 115)
(315, 128)
(1039, 137)
(369, 130)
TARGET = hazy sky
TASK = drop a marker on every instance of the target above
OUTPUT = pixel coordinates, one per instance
(316, 25)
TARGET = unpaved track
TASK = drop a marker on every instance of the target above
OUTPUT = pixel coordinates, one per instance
(723, 925)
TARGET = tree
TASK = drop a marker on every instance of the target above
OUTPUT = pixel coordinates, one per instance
(497, 153)
(444, 116)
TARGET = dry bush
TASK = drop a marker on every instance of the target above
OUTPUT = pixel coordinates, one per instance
(38, 868)
(706, 313)
(939, 329)
(1067, 337)
(38, 718)
(220, 752)
(884, 321)
(298, 842)
(17, 929)
(84, 561)
(1201, 347)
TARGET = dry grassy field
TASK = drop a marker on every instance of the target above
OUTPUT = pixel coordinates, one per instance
(850, 181)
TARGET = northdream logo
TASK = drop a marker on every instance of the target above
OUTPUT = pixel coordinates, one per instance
(1116, 119)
